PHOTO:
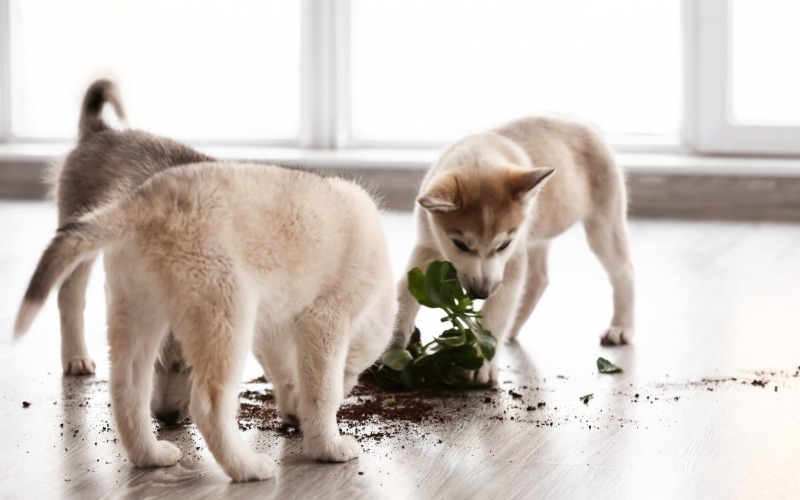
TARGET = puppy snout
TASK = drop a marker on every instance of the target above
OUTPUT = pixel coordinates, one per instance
(168, 417)
(479, 292)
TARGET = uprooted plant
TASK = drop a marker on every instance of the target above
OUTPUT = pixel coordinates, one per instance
(449, 358)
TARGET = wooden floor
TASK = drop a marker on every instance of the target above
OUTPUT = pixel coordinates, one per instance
(718, 317)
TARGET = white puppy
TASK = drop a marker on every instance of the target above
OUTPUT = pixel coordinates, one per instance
(494, 201)
(215, 251)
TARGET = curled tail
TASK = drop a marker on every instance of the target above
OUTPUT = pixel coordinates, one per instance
(73, 243)
(97, 95)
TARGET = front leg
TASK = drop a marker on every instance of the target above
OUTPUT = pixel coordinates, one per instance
(322, 341)
(499, 312)
(408, 309)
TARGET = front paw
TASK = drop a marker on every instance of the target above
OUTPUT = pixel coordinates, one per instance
(163, 454)
(78, 365)
(332, 449)
(617, 335)
(486, 374)
(257, 468)
(405, 337)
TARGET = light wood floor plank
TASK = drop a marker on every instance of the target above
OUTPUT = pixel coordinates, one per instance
(715, 301)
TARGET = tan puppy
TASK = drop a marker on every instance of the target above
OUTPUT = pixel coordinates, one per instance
(215, 251)
(492, 204)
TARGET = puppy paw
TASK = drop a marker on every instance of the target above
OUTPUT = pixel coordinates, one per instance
(79, 365)
(290, 419)
(257, 468)
(338, 449)
(616, 335)
(486, 374)
(163, 454)
(287, 406)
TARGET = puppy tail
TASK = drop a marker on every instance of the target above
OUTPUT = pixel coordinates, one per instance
(97, 95)
(73, 243)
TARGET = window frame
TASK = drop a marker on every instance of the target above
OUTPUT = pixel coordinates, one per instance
(5, 71)
(709, 126)
(324, 107)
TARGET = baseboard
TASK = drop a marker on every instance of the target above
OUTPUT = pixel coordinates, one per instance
(653, 193)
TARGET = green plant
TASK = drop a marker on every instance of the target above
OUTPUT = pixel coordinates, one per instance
(606, 366)
(460, 349)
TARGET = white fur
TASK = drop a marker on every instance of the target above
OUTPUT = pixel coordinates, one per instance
(227, 257)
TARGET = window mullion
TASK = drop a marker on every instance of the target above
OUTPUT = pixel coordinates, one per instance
(5, 73)
(322, 79)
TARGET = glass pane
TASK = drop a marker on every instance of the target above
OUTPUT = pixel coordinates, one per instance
(765, 74)
(436, 69)
(190, 69)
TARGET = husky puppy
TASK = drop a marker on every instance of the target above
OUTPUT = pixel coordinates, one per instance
(216, 251)
(493, 202)
(106, 165)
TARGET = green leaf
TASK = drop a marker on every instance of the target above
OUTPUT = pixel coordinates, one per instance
(397, 359)
(409, 378)
(485, 339)
(442, 286)
(467, 357)
(452, 337)
(606, 366)
(416, 285)
(586, 397)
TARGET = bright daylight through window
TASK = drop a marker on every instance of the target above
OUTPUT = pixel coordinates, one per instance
(200, 70)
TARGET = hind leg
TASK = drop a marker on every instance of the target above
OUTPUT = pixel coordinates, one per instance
(609, 240)
(71, 301)
(322, 341)
(275, 350)
(537, 281)
(216, 331)
(135, 330)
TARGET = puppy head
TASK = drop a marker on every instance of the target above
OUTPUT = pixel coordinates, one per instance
(171, 384)
(477, 217)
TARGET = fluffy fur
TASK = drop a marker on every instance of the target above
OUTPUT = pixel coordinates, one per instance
(106, 165)
(494, 201)
(217, 252)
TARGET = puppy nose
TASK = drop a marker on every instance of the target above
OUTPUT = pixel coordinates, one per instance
(479, 292)
(167, 417)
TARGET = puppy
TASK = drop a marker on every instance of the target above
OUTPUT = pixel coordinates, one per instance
(216, 251)
(493, 202)
(104, 166)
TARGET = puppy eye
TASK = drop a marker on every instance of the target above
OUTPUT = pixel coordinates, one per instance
(461, 245)
(503, 246)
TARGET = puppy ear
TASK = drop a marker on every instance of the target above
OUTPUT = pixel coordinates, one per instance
(441, 195)
(524, 183)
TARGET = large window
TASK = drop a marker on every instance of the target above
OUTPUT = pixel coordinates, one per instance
(435, 70)
(704, 76)
(202, 70)
(745, 79)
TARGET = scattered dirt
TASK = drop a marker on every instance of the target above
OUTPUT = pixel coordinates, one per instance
(25, 404)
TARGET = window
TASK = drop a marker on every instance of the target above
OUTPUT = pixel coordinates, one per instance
(436, 70)
(746, 80)
(201, 70)
(710, 76)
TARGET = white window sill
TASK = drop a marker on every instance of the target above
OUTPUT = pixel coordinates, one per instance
(419, 159)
